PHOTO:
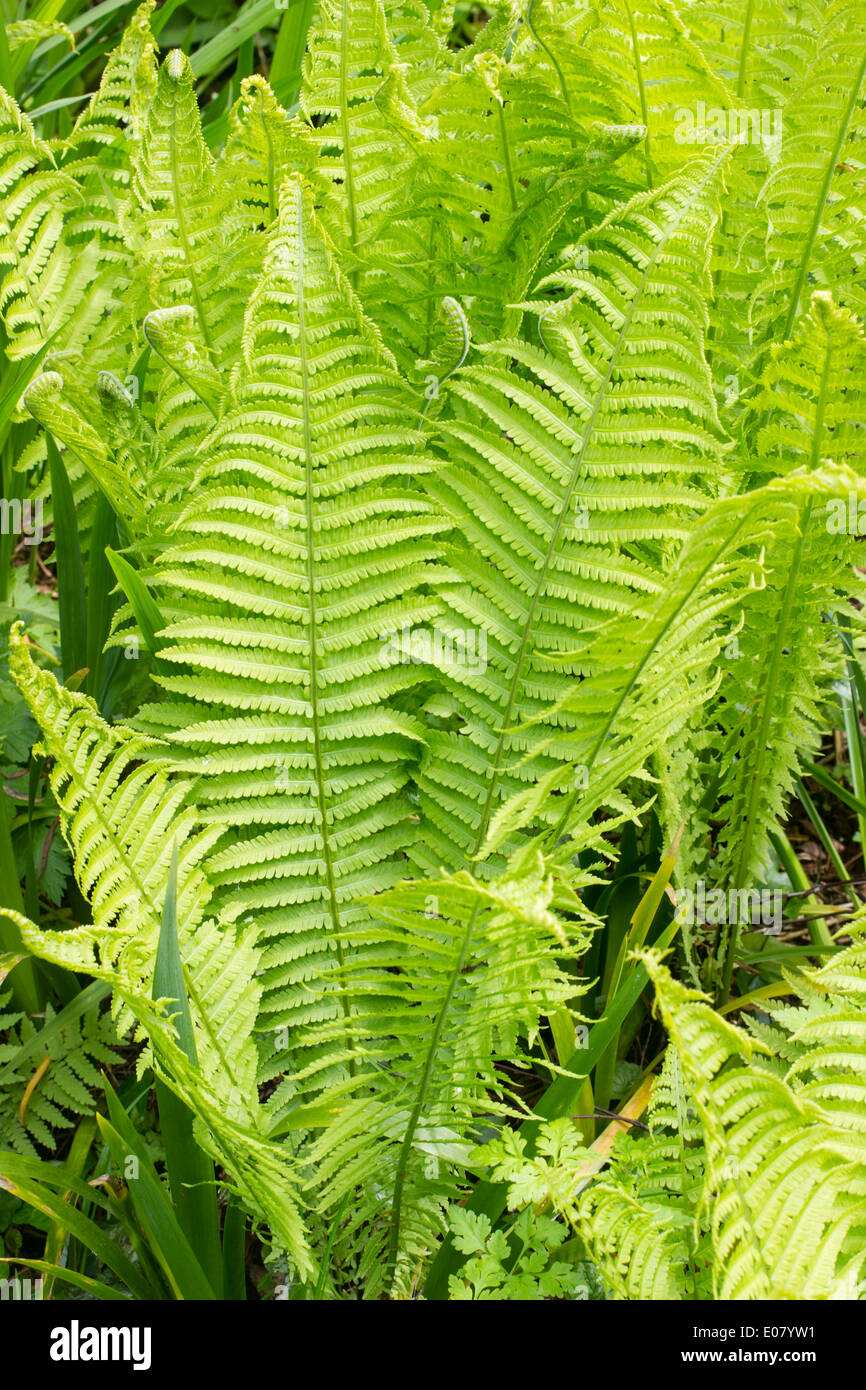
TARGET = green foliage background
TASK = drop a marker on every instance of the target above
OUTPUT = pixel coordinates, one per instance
(449, 427)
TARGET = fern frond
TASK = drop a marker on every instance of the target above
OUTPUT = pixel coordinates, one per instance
(639, 59)
(125, 89)
(32, 31)
(639, 1220)
(93, 154)
(284, 656)
(829, 1041)
(811, 198)
(262, 149)
(780, 1194)
(764, 54)
(756, 48)
(62, 213)
(349, 57)
(645, 671)
(762, 1158)
(119, 816)
(179, 221)
(41, 284)
(480, 960)
(123, 478)
(171, 334)
(76, 1052)
(805, 425)
(567, 473)
(508, 163)
(773, 701)
(123, 816)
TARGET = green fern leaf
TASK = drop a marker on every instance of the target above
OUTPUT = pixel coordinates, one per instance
(284, 657)
(564, 472)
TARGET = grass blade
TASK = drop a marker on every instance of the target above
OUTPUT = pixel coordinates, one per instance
(96, 1289)
(29, 1179)
(190, 1171)
(167, 1241)
(147, 615)
(234, 1250)
(290, 49)
(24, 981)
(208, 60)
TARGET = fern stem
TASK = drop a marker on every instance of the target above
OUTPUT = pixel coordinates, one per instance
(506, 156)
(832, 161)
(551, 56)
(347, 144)
(744, 47)
(642, 90)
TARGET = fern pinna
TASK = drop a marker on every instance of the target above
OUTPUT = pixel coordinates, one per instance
(476, 448)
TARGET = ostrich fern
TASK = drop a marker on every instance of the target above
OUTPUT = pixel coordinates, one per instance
(561, 510)
(124, 815)
(773, 1187)
(443, 357)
